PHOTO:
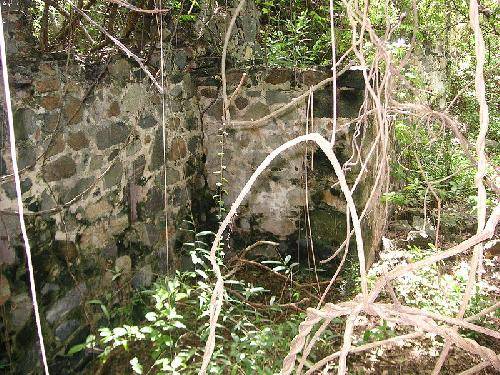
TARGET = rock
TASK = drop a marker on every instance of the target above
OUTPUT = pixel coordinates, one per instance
(180, 58)
(47, 85)
(57, 146)
(138, 165)
(7, 254)
(401, 226)
(70, 301)
(419, 238)
(65, 329)
(113, 154)
(296, 197)
(153, 233)
(10, 189)
(79, 187)
(114, 175)
(22, 309)
(256, 111)
(98, 209)
(26, 185)
(77, 140)
(276, 97)
(334, 201)
(26, 157)
(112, 135)
(4, 289)
(194, 143)
(323, 103)
(191, 123)
(49, 287)
(110, 251)
(264, 252)
(178, 149)
(3, 167)
(241, 102)
(63, 167)
(117, 224)
(209, 92)
(50, 122)
(73, 110)
(233, 77)
(66, 250)
(50, 102)
(147, 121)
(280, 226)
(24, 124)
(114, 109)
(215, 109)
(153, 204)
(176, 90)
(329, 227)
(173, 176)
(313, 77)
(418, 222)
(134, 97)
(179, 197)
(143, 278)
(123, 265)
(279, 76)
(120, 69)
(47, 70)
(107, 279)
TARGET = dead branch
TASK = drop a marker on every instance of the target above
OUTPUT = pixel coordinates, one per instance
(138, 10)
(120, 45)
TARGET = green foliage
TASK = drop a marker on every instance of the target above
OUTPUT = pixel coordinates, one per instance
(429, 153)
(378, 333)
(173, 326)
(299, 42)
(429, 287)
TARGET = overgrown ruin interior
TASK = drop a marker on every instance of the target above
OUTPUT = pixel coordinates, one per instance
(106, 161)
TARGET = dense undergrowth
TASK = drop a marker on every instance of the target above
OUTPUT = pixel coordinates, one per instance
(163, 329)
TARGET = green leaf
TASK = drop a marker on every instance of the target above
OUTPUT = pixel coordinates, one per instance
(202, 274)
(76, 349)
(151, 316)
(178, 324)
(136, 366)
(204, 233)
(119, 331)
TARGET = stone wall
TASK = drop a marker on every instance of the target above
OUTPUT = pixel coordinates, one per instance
(275, 208)
(90, 148)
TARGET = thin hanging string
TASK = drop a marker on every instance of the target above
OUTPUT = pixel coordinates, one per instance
(13, 154)
(334, 73)
(310, 243)
(164, 139)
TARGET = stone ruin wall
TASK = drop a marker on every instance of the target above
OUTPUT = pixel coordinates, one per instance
(276, 205)
(90, 138)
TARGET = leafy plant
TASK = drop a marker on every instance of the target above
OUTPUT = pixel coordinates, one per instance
(174, 325)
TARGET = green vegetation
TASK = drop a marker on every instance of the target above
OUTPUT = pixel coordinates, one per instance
(169, 334)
